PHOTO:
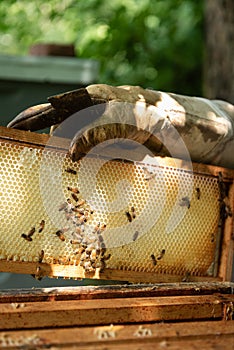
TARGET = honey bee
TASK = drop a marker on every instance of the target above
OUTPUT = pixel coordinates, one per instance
(81, 211)
(129, 216)
(100, 238)
(106, 257)
(71, 171)
(31, 232)
(74, 241)
(212, 238)
(153, 259)
(68, 216)
(228, 210)
(93, 255)
(88, 267)
(78, 230)
(82, 226)
(63, 260)
(198, 193)
(96, 228)
(63, 206)
(74, 197)
(41, 226)
(186, 277)
(222, 186)
(227, 207)
(82, 219)
(103, 227)
(60, 234)
(93, 264)
(73, 189)
(38, 275)
(90, 210)
(135, 236)
(86, 213)
(133, 213)
(103, 247)
(79, 251)
(80, 203)
(82, 262)
(149, 175)
(70, 206)
(41, 256)
(29, 239)
(101, 265)
(185, 202)
(163, 251)
(99, 228)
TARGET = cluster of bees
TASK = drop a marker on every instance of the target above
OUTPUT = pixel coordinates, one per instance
(88, 239)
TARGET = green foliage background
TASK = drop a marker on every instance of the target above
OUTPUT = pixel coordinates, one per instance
(152, 43)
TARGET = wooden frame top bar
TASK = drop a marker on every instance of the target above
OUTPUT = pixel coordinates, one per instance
(41, 140)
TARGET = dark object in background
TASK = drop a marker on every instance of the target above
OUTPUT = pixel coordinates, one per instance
(29, 80)
(52, 50)
(219, 48)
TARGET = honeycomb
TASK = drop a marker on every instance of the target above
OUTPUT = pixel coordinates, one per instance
(109, 214)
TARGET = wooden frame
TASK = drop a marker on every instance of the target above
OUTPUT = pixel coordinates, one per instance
(151, 316)
(226, 257)
(189, 315)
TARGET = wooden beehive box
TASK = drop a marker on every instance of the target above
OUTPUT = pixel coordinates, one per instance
(186, 246)
(158, 316)
(154, 220)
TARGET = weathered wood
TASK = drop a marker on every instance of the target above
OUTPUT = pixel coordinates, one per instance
(104, 311)
(211, 344)
(31, 139)
(115, 291)
(28, 137)
(158, 335)
(57, 270)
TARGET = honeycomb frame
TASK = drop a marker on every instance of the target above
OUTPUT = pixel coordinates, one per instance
(97, 239)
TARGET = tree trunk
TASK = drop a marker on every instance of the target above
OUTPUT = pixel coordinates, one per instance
(219, 61)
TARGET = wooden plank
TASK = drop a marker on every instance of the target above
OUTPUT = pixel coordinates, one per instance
(215, 343)
(22, 136)
(32, 139)
(57, 270)
(119, 335)
(116, 291)
(105, 311)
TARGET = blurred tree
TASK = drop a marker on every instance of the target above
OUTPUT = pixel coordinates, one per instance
(219, 63)
(157, 44)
